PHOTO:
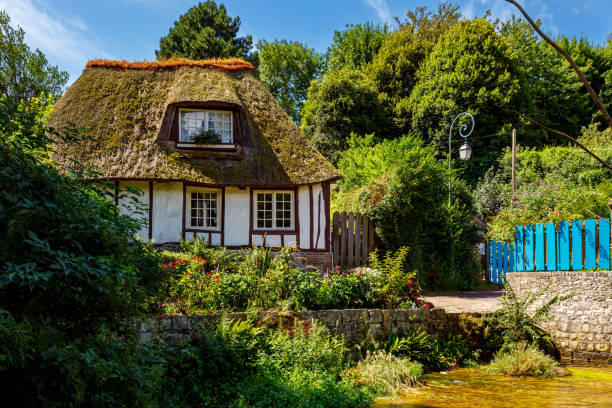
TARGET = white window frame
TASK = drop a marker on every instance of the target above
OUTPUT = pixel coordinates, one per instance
(188, 192)
(206, 111)
(274, 218)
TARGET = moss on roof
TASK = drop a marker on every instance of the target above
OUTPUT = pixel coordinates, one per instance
(124, 109)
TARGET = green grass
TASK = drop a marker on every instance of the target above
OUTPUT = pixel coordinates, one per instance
(387, 375)
(522, 361)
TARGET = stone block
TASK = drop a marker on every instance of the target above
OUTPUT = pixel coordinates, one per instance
(355, 316)
(375, 315)
(330, 317)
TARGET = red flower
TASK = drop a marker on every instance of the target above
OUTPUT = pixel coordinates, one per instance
(214, 261)
(410, 282)
(257, 263)
(426, 305)
(266, 277)
(216, 276)
(165, 266)
(186, 273)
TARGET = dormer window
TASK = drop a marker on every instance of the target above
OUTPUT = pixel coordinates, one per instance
(194, 122)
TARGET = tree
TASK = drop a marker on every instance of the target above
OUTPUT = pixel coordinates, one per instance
(343, 102)
(403, 188)
(471, 68)
(395, 65)
(287, 68)
(356, 46)
(24, 73)
(205, 31)
(554, 95)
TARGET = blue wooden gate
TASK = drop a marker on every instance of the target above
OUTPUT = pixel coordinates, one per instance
(575, 245)
(501, 261)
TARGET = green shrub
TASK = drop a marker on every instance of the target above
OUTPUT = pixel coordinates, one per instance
(387, 375)
(518, 326)
(523, 360)
(401, 186)
(237, 283)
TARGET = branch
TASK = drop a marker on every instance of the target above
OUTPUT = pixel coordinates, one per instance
(570, 60)
(564, 135)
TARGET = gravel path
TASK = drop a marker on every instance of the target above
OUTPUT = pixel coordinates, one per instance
(478, 301)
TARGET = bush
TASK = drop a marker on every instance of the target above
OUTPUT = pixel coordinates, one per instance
(523, 360)
(236, 364)
(387, 375)
(518, 326)
(403, 189)
(239, 282)
(557, 183)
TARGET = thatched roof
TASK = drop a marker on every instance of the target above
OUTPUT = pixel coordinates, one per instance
(125, 107)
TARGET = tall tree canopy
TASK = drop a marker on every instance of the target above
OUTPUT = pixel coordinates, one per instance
(205, 31)
(24, 73)
(470, 68)
(395, 65)
(356, 46)
(287, 68)
(343, 102)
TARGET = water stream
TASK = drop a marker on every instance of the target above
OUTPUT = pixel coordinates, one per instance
(469, 387)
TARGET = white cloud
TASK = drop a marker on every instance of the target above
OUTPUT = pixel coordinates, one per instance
(63, 37)
(382, 9)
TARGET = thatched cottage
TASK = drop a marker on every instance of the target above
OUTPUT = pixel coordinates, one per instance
(213, 152)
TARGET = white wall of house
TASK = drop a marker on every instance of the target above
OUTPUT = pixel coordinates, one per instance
(167, 212)
(128, 204)
(167, 222)
(318, 240)
(304, 211)
(236, 222)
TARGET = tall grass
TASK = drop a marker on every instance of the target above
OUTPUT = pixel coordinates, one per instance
(523, 360)
(387, 375)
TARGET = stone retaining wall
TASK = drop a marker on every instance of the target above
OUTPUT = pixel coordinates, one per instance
(352, 324)
(582, 325)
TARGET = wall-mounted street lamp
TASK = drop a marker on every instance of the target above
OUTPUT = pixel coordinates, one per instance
(465, 151)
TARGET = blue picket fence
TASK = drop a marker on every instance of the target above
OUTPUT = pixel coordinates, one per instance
(501, 261)
(573, 245)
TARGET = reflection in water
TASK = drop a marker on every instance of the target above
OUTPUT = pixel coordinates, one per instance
(469, 387)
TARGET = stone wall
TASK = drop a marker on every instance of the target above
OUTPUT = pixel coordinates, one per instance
(321, 260)
(351, 324)
(582, 325)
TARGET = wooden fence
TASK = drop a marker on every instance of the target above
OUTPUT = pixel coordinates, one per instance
(500, 261)
(574, 245)
(352, 239)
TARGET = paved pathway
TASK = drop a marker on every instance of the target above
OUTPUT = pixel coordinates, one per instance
(484, 301)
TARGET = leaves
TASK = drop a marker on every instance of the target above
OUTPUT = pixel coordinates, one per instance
(205, 31)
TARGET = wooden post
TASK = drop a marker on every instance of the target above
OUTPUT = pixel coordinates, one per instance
(351, 240)
(336, 238)
(343, 238)
(513, 163)
(365, 227)
(358, 238)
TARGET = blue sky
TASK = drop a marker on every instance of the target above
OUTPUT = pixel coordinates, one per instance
(70, 32)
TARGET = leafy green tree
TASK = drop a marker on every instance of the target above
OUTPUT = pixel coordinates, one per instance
(471, 68)
(395, 65)
(356, 46)
(205, 31)
(287, 68)
(554, 94)
(403, 188)
(24, 73)
(343, 102)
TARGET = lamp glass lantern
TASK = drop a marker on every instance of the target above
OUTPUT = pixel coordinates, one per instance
(465, 151)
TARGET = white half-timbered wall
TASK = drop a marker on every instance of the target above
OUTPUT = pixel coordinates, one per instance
(168, 218)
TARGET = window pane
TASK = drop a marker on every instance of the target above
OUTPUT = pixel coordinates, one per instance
(192, 123)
